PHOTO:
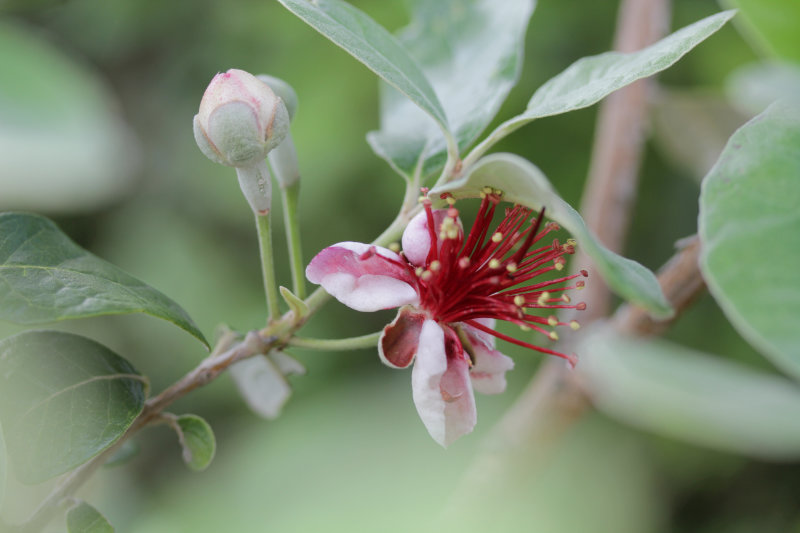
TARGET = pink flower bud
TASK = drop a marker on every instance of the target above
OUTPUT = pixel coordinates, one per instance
(240, 119)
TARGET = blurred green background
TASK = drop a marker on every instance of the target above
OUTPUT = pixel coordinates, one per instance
(96, 102)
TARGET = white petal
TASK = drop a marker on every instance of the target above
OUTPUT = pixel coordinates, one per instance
(488, 374)
(365, 282)
(441, 389)
(416, 239)
(261, 384)
(369, 292)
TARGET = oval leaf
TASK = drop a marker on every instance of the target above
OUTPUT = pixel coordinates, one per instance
(83, 518)
(63, 399)
(471, 51)
(590, 79)
(45, 277)
(370, 43)
(750, 229)
(692, 396)
(197, 441)
(523, 183)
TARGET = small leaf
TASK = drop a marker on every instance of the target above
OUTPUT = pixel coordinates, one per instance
(590, 79)
(749, 225)
(261, 381)
(471, 51)
(63, 399)
(298, 306)
(523, 183)
(772, 25)
(691, 396)
(83, 518)
(125, 453)
(45, 277)
(197, 440)
(370, 43)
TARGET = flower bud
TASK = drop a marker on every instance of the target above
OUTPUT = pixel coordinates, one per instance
(240, 120)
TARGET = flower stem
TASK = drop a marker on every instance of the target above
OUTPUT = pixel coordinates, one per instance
(289, 196)
(267, 265)
(350, 343)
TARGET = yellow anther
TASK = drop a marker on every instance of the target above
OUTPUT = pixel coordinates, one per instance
(579, 287)
(572, 242)
(395, 247)
(552, 321)
(435, 265)
(497, 237)
(450, 200)
(426, 275)
(543, 298)
(418, 271)
(442, 235)
(559, 266)
(452, 233)
(511, 267)
(553, 335)
(494, 264)
(525, 328)
(574, 325)
(463, 262)
(486, 190)
(519, 300)
(498, 192)
(566, 298)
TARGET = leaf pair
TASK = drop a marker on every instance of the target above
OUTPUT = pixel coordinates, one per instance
(65, 398)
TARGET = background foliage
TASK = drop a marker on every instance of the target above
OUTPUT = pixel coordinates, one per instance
(103, 145)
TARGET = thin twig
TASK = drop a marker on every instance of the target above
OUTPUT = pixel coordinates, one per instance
(610, 191)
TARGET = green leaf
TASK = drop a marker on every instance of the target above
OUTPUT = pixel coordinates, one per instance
(471, 51)
(750, 229)
(197, 441)
(370, 43)
(590, 79)
(297, 305)
(772, 25)
(63, 399)
(45, 277)
(691, 396)
(523, 183)
(83, 518)
(63, 145)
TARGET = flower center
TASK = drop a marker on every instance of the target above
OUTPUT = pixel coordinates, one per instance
(493, 274)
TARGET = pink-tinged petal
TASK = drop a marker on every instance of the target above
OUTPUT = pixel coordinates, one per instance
(363, 277)
(416, 239)
(488, 374)
(441, 387)
(400, 339)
